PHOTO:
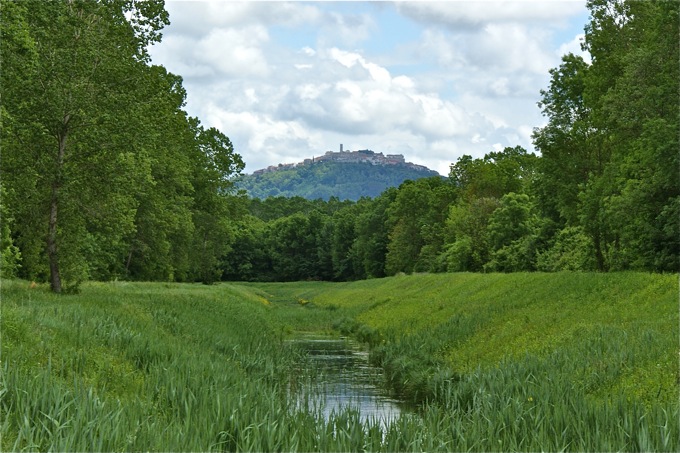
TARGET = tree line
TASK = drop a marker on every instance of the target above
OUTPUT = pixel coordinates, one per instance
(105, 176)
(604, 195)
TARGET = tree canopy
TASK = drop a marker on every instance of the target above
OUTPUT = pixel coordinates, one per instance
(105, 176)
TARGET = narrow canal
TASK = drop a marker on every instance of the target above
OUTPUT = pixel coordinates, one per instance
(341, 377)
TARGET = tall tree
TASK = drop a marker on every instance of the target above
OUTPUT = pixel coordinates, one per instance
(371, 226)
(293, 246)
(68, 90)
(341, 241)
(610, 147)
(9, 253)
(213, 211)
(415, 221)
(467, 240)
(248, 259)
(641, 112)
(565, 142)
(494, 175)
(160, 246)
(513, 231)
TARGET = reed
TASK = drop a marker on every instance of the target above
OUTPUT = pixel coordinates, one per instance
(527, 361)
(496, 363)
(157, 367)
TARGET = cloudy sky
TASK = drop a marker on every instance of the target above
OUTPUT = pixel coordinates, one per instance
(287, 81)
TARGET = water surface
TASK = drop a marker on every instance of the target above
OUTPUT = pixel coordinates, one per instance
(342, 377)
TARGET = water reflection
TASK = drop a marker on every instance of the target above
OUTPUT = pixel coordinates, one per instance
(343, 378)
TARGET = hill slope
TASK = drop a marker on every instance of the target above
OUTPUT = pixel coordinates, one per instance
(346, 181)
(621, 328)
(529, 360)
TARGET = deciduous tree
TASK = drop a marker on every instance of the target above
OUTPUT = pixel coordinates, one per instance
(69, 78)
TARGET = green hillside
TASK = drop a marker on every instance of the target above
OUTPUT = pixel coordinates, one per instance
(495, 362)
(627, 322)
(346, 181)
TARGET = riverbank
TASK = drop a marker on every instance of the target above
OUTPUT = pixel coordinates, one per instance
(553, 360)
(498, 362)
(624, 323)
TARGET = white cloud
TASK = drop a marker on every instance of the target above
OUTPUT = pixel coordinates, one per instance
(195, 17)
(511, 48)
(308, 51)
(366, 98)
(500, 86)
(288, 80)
(470, 15)
(235, 53)
(347, 59)
(269, 141)
(348, 29)
(448, 51)
(403, 82)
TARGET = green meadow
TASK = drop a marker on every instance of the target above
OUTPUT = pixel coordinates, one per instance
(489, 362)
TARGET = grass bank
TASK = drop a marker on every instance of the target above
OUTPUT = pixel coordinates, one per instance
(479, 320)
(498, 362)
(576, 361)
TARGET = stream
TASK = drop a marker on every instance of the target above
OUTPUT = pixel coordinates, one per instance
(342, 377)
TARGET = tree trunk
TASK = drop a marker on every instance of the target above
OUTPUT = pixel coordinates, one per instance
(599, 256)
(52, 249)
(127, 263)
(55, 277)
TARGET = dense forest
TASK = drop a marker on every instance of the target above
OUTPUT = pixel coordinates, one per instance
(93, 188)
(104, 174)
(343, 180)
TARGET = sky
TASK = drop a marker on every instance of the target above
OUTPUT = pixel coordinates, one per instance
(286, 81)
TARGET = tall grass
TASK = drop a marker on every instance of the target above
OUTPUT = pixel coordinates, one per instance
(567, 361)
(497, 363)
(161, 367)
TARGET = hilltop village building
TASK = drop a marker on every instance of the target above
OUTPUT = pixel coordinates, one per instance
(360, 156)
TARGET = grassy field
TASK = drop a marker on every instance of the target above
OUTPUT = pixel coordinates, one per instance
(496, 362)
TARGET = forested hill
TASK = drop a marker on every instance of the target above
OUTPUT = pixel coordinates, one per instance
(344, 180)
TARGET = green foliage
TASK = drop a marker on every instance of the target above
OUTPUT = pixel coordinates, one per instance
(527, 361)
(370, 245)
(212, 210)
(100, 185)
(467, 237)
(10, 256)
(496, 174)
(415, 218)
(248, 259)
(67, 80)
(346, 181)
(513, 233)
(609, 151)
(343, 259)
(298, 239)
(293, 244)
(572, 250)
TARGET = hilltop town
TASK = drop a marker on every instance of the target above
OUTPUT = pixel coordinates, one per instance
(360, 156)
